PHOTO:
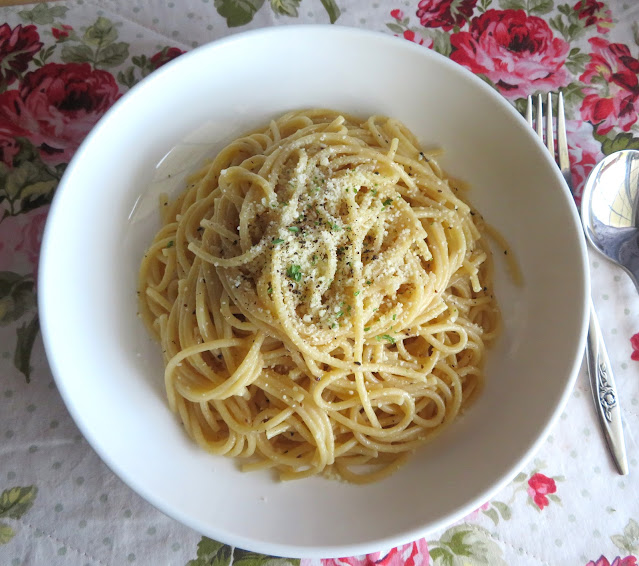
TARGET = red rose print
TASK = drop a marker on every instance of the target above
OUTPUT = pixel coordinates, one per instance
(517, 52)
(539, 486)
(413, 554)
(634, 342)
(163, 57)
(58, 105)
(31, 235)
(20, 239)
(397, 14)
(611, 86)
(9, 146)
(445, 14)
(474, 514)
(618, 561)
(595, 13)
(61, 33)
(17, 48)
(412, 36)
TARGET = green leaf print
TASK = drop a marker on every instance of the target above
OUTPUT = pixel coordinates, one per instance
(43, 14)
(26, 337)
(77, 54)
(576, 61)
(621, 141)
(28, 185)
(539, 7)
(332, 9)
(17, 297)
(16, 501)
(492, 515)
(113, 55)
(238, 12)
(286, 7)
(520, 477)
(629, 541)
(212, 553)
(503, 509)
(246, 558)
(512, 4)
(127, 78)
(101, 33)
(466, 545)
(442, 556)
(395, 28)
(6, 533)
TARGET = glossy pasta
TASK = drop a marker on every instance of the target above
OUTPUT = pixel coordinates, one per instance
(323, 296)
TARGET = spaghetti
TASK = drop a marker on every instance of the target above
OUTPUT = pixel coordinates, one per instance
(323, 297)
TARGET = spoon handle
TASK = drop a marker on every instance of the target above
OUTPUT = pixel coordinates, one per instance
(604, 392)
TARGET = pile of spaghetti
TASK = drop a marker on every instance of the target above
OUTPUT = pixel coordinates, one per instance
(323, 297)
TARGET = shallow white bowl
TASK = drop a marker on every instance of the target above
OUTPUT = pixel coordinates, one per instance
(104, 215)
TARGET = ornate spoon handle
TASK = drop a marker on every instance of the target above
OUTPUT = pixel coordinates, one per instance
(604, 392)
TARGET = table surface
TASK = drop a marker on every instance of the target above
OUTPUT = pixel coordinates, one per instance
(59, 504)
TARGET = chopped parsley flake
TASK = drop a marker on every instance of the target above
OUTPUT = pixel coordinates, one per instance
(294, 272)
(356, 293)
(386, 337)
(170, 244)
(388, 202)
(278, 241)
(367, 328)
(293, 229)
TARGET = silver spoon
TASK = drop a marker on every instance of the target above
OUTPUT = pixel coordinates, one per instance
(609, 210)
(609, 213)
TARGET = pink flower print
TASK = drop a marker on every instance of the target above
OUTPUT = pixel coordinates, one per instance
(410, 35)
(58, 105)
(611, 86)
(445, 14)
(20, 240)
(397, 14)
(474, 514)
(412, 554)
(31, 235)
(595, 13)
(517, 52)
(618, 561)
(164, 56)
(539, 486)
(17, 48)
(62, 32)
(634, 342)
(585, 152)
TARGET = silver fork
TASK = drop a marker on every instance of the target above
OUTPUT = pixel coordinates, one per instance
(602, 382)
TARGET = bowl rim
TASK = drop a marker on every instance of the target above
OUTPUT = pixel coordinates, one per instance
(48, 326)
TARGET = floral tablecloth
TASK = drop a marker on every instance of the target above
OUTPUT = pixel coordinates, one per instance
(63, 64)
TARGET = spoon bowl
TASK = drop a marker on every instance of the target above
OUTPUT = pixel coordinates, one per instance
(609, 209)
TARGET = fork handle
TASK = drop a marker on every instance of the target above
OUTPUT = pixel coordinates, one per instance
(604, 392)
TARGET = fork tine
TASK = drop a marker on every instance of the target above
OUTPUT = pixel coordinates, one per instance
(562, 140)
(550, 137)
(529, 111)
(540, 118)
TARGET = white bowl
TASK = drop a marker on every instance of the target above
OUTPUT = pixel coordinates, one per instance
(105, 214)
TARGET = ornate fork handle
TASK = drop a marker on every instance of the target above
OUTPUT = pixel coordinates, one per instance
(604, 393)
(602, 383)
